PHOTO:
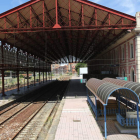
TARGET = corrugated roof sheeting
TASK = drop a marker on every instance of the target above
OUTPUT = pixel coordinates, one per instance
(134, 86)
(96, 82)
(128, 84)
(103, 90)
(116, 81)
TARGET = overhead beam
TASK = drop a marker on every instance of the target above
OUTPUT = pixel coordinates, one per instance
(18, 8)
(103, 8)
(97, 32)
(48, 14)
(26, 36)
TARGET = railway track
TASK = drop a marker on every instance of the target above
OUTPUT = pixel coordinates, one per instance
(15, 118)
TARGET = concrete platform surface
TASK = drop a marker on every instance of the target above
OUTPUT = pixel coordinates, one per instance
(76, 89)
(127, 130)
(113, 133)
(77, 122)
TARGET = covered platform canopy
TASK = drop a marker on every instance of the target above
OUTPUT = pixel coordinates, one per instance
(102, 90)
(135, 86)
(63, 30)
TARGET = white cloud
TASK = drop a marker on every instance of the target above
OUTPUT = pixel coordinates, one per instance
(96, 1)
(129, 5)
(16, 2)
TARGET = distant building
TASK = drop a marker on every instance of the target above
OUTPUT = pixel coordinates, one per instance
(72, 67)
(57, 68)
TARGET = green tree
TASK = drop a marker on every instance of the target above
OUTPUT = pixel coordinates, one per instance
(80, 65)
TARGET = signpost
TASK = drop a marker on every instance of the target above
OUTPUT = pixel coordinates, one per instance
(122, 78)
(83, 71)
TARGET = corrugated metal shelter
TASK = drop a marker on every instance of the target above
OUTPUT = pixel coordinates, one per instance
(128, 84)
(103, 90)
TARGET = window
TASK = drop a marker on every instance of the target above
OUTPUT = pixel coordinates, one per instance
(132, 75)
(131, 51)
(123, 74)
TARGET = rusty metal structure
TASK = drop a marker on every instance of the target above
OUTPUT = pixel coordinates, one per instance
(41, 32)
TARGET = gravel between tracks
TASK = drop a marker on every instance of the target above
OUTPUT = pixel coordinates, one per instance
(16, 123)
(9, 129)
(53, 128)
(32, 130)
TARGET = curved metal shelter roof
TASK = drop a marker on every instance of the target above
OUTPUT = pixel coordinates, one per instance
(128, 84)
(67, 28)
(103, 90)
(97, 84)
(116, 81)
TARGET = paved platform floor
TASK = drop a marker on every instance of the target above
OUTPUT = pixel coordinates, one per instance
(77, 122)
(76, 89)
(113, 133)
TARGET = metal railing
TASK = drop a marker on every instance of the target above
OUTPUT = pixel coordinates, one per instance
(126, 121)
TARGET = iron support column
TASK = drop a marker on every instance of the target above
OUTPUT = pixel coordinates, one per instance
(138, 120)
(17, 72)
(27, 78)
(46, 76)
(27, 73)
(119, 104)
(3, 90)
(2, 71)
(51, 76)
(39, 75)
(56, 4)
(43, 72)
(34, 76)
(18, 80)
(69, 14)
(39, 71)
(34, 70)
(96, 107)
(105, 128)
(43, 76)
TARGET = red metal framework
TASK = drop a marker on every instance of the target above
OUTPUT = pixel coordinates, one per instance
(68, 28)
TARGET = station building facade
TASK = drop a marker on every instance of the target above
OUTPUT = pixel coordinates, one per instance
(122, 57)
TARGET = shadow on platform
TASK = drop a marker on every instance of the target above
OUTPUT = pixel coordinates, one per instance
(76, 89)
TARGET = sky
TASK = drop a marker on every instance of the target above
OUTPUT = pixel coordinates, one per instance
(126, 6)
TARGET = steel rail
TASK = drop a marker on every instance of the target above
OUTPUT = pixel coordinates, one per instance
(39, 106)
(10, 108)
(38, 112)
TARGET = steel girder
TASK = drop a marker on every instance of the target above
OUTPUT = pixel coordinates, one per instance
(73, 28)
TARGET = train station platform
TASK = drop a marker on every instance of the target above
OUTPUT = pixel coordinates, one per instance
(76, 121)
